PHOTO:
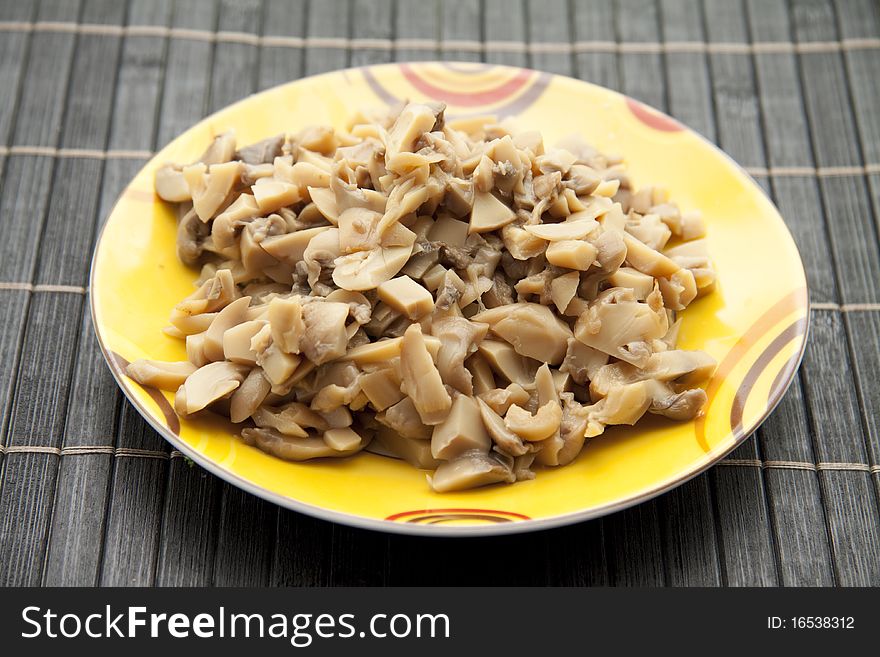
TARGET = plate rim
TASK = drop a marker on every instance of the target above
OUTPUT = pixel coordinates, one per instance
(416, 529)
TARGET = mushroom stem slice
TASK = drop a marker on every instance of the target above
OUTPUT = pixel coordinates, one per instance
(249, 396)
(407, 297)
(421, 379)
(461, 431)
(415, 452)
(566, 230)
(648, 261)
(489, 213)
(405, 420)
(382, 388)
(344, 439)
(470, 470)
(160, 374)
(237, 342)
(292, 448)
(232, 315)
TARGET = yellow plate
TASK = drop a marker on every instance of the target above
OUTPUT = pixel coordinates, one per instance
(755, 324)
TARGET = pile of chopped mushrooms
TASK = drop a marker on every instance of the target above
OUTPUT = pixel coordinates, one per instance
(452, 294)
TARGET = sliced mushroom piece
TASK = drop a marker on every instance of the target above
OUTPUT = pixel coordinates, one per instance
(191, 324)
(649, 230)
(287, 325)
(563, 289)
(237, 342)
(679, 289)
(521, 244)
(545, 386)
(405, 420)
(684, 405)
(277, 365)
(420, 263)
(171, 184)
(641, 284)
(582, 362)
(462, 430)
(290, 248)
(421, 379)
(610, 249)
(607, 188)
(226, 224)
(413, 122)
(160, 374)
(507, 362)
(191, 236)
(303, 174)
(571, 254)
(324, 338)
(532, 329)
(383, 351)
(195, 352)
(248, 396)
(382, 388)
(271, 195)
(292, 448)
(262, 151)
(501, 399)
(407, 297)
(209, 186)
(215, 293)
(616, 324)
(459, 197)
(459, 338)
(504, 438)
(572, 430)
(648, 261)
(481, 374)
(365, 270)
(683, 368)
(232, 315)
(471, 470)
(288, 419)
(414, 451)
(489, 213)
(210, 383)
(563, 231)
(221, 149)
(331, 398)
(344, 439)
(448, 231)
(549, 449)
(338, 418)
(583, 179)
(358, 229)
(547, 395)
(320, 254)
(434, 277)
(623, 405)
(543, 424)
(522, 467)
